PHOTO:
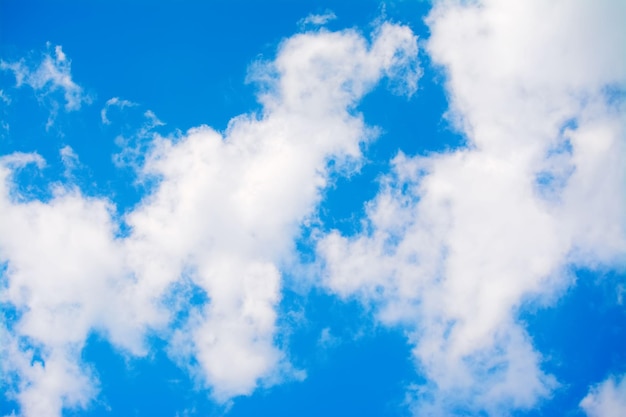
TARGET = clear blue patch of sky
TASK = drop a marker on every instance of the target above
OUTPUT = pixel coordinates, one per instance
(149, 386)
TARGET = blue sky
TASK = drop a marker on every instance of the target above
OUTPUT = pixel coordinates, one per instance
(237, 208)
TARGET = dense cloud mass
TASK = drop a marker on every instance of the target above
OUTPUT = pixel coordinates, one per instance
(222, 218)
(456, 243)
(453, 247)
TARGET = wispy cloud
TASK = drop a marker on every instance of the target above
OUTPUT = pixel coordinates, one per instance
(136, 146)
(6, 100)
(114, 102)
(317, 19)
(4, 97)
(51, 74)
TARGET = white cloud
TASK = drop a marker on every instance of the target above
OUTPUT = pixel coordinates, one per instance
(52, 74)
(607, 399)
(19, 70)
(327, 339)
(70, 160)
(222, 217)
(4, 97)
(455, 243)
(135, 147)
(317, 19)
(114, 102)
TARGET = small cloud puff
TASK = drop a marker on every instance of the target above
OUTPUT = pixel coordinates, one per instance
(117, 102)
(327, 339)
(317, 19)
(607, 399)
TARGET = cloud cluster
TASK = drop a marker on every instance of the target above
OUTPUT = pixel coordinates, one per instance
(456, 243)
(221, 221)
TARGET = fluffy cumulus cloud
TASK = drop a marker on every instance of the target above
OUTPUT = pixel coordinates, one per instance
(220, 220)
(607, 399)
(456, 243)
(61, 274)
